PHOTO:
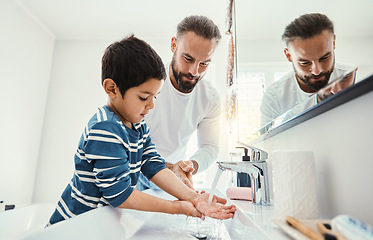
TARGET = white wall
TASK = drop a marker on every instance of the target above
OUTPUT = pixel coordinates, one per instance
(341, 140)
(26, 50)
(73, 96)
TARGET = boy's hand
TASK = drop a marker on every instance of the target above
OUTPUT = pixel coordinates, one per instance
(183, 170)
(216, 209)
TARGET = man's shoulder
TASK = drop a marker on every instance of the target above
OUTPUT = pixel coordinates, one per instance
(207, 89)
(341, 69)
(286, 80)
(344, 66)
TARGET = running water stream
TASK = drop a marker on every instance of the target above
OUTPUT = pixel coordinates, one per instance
(217, 224)
(213, 187)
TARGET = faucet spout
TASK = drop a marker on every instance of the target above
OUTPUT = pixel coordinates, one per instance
(258, 175)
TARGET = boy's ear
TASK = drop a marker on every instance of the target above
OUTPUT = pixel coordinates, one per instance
(110, 87)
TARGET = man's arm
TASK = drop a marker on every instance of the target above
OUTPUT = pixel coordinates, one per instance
(269, 108)
(208, 133)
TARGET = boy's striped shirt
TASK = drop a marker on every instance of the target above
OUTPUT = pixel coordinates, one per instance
(108, 161)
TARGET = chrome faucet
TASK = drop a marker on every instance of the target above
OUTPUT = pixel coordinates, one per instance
(258, 172)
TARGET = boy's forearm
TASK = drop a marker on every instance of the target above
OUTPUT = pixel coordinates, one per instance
(145, 202)
(167, 180)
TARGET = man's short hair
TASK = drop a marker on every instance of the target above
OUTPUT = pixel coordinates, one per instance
(307, 26)
(131, 62)
(201, 26)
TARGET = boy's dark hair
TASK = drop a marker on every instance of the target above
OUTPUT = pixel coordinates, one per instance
(201, 26)
(131, 62)
(307, 26)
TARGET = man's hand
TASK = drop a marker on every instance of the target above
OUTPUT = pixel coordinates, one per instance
(183, 170)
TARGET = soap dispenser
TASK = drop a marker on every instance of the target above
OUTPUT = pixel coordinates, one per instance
(243, 179)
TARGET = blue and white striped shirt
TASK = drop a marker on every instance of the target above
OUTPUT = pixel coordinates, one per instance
(108, 162)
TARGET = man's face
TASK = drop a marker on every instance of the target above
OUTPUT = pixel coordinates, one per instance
(313, 60)
(192, 55)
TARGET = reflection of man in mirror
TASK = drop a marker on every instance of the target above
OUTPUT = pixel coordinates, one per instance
(310, 44)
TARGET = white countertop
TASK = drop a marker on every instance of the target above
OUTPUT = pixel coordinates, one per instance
(262, 217)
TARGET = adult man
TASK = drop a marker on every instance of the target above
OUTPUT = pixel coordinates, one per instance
(310, 45)
(187, 102)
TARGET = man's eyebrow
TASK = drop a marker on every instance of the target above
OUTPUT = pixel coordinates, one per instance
(305, 60)
(325, 55)
(188, 56)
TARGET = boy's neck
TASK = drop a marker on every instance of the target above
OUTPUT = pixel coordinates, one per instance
(126, 123)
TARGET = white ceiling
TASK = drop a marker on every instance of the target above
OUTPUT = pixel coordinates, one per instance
(76, 19)
(111, 18)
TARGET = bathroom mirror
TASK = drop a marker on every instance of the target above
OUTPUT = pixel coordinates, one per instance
(260, 59)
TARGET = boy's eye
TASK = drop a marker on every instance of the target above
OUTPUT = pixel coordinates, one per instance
(143, 99)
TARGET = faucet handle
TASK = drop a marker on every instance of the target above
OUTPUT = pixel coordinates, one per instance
(257, 155)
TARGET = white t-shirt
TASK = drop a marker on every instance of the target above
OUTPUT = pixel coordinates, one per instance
(285, 94)
(177, 115)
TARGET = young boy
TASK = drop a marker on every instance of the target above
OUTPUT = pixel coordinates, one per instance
(115, 145)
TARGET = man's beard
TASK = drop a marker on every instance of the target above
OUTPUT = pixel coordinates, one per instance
(185, 86)
(316, 86)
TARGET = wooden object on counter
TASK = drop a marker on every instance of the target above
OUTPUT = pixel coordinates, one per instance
(309, 232)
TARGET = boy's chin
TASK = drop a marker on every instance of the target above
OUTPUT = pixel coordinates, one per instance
(139, 119)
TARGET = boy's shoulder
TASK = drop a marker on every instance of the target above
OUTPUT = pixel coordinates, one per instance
(106, 119)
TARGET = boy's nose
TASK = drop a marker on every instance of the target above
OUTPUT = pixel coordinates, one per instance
(150, 104)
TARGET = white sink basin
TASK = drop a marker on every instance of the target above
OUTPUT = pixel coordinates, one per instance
(110, 223)
(24, 220)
